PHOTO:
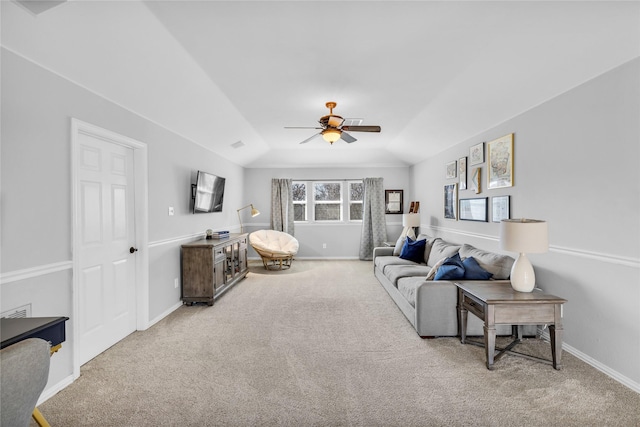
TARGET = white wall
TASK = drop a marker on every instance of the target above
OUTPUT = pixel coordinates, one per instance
(342, 240)
(576, 165)
(37, 107)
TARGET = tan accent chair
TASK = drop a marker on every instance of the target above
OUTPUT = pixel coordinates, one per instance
(276, 248)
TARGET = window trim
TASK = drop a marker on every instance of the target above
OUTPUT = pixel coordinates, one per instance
(345, 201)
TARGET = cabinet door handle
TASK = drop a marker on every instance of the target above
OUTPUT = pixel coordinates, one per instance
(132, 250)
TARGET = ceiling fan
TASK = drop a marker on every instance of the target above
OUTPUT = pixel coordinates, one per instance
(333, 127)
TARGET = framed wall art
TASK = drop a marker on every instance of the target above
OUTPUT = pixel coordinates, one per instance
(476, 154)
(475, 180)
(451, 201)
(462, 173)
(451, 169)
(500, 156)
(393, 201)
(474, 209)
(500, 208)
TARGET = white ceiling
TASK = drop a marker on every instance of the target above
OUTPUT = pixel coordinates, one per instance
(431, 74)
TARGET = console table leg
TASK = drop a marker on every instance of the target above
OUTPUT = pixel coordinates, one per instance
(490, 345)
(555, 334)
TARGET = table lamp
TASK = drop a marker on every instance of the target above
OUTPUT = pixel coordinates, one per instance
(523, 236)
(409, 222)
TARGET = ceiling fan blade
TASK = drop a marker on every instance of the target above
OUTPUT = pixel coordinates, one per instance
(335, 121)
(310, 138)
(302, 127)
(347, 138)
(362, 128)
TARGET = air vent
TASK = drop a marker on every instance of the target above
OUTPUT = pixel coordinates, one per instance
(17, 313)
(352, 122)
(237, 144)
(38, 6)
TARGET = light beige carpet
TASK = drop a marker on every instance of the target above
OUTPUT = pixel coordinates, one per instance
(322, 344)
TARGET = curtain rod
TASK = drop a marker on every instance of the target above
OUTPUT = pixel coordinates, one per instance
(327, 179)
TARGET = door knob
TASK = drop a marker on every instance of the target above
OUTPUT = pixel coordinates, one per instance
(132, 250)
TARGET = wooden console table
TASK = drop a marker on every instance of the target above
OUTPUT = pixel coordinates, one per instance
(497, 303)
(211, 266)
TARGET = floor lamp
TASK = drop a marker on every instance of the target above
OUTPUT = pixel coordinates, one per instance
(523, 236)
(254, 212)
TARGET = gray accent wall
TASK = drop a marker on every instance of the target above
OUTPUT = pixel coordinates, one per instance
(36, 256)
(576, 163)
(342, 240)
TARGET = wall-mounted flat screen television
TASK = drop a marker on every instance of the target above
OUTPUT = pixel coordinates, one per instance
(208, 193)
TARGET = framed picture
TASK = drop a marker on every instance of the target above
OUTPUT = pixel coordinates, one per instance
(500, 208)
(393, 201)
(500, 170)
(451, 201)
(475, 180)
(451, 169)
(462, 173)
(476, 154)
(474, 209)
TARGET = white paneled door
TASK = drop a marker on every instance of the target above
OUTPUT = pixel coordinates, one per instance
(105, 244)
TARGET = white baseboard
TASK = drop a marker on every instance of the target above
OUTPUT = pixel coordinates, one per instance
(599, 366)
(53, 390)
(163, 315)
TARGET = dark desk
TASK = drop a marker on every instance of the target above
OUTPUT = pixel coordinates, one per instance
(47, 328)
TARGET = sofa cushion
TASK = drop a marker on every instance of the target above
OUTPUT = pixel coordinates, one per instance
(450, 269)
(395, 272)
(383, 261)
(496, 264)
(413, 250)
(472, 271)
(441, 249)
(407, 287)
(427, 247)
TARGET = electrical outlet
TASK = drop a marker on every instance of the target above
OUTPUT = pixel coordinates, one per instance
(176, 283)
(170, 210)
(324, 246)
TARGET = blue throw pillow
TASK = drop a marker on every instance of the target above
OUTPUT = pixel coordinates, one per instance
(450, 269)
(473, 271)
(413, 250)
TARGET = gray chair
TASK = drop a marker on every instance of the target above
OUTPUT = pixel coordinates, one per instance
(24, 371)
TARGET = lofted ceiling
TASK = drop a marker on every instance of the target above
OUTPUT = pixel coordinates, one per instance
(231, 75)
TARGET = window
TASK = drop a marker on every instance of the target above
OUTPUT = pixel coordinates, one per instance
(299, 201)
(327, 201)
(356, 195)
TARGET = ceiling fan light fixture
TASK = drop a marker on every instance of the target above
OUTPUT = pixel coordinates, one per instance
(331, 135)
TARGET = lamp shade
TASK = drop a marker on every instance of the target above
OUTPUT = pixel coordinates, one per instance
(254, 211)
(331, 135)
(524, 235)
(411, 220)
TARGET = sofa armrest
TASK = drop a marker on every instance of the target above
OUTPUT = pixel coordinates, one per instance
(382, 251)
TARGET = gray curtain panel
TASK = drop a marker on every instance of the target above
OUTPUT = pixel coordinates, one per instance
(282, 205)
(374, 225)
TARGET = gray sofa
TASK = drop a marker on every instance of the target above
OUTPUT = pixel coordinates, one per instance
(430, 306)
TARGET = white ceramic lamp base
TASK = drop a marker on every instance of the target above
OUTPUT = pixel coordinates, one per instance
(523, 279)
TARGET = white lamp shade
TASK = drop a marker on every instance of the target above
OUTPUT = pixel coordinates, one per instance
(411, 220)
(524, 235)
